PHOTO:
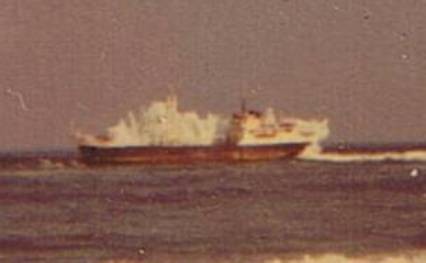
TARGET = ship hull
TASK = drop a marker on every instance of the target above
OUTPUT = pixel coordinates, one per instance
(188, 154)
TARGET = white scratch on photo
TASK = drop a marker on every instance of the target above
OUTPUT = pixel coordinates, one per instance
(19, 96)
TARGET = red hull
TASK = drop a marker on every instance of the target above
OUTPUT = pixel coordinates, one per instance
(188, 154)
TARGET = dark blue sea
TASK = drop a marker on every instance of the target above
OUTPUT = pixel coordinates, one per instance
(59, 210)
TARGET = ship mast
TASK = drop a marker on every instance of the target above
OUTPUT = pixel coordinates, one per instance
(243, 102)
(172, 99)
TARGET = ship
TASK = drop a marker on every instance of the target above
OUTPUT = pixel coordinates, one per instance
(163, 134)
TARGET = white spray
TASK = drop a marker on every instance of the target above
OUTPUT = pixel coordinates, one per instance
(162, 124)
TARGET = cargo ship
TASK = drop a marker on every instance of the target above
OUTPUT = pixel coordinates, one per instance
(163, 134)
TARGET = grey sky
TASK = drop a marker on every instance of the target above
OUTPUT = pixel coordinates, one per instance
(80, 63)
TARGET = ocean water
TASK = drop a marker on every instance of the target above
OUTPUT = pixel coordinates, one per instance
(321, 210)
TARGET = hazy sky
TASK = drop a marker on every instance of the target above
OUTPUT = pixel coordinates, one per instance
(361, 63)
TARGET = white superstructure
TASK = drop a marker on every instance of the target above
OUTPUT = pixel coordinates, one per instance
(255, 128)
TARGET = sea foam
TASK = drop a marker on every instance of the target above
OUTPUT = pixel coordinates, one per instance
(409, 257)
(316, 153)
